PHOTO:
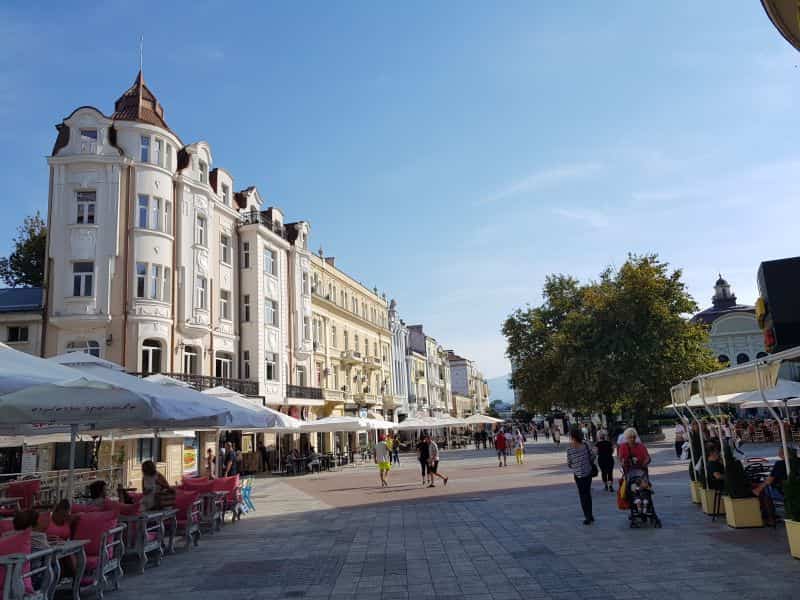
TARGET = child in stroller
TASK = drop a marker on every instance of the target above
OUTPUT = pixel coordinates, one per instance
(634, 458)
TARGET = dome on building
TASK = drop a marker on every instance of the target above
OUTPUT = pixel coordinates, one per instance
(723, 302)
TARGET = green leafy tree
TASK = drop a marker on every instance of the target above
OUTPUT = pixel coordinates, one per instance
(492, 410)
(25, 265)
(615, 344)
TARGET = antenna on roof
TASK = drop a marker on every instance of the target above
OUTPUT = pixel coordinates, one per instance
(141, 52)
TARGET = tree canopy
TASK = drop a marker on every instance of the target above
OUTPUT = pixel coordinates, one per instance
(615, 344)
(25, 265)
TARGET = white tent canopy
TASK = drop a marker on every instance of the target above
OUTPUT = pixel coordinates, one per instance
(335, 424)
(165, 380)
(253, 416)
(416, 423)
(481, 419)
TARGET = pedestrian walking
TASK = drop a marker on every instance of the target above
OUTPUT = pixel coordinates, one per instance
(605, 459)
(535, 433)
(383, 460)
(396, 449)
(556, 436)
(433, 463)
(423, 454)
(580, 459)
(519, 446)
(500, 446)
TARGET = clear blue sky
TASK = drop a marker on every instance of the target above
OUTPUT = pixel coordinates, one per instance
(451, 153)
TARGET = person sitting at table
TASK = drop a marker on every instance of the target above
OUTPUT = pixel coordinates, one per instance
(776, 477)
(156, 491)
(313, 459)
(716, 470)
(97, 493)
(61, 519)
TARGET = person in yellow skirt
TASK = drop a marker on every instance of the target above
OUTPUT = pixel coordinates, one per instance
(519, 446)
(383, 460)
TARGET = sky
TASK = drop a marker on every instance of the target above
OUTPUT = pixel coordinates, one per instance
(450, 153)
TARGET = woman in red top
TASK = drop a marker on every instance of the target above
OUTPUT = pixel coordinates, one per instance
(633, 454)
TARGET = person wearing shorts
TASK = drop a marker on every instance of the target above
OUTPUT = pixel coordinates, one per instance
(383, 460)
(500, 446)
(433, 463)
(423, 454)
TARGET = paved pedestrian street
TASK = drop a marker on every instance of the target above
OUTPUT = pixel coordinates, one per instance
(491, 533)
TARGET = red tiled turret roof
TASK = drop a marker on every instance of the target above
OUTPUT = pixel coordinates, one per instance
(138, 103)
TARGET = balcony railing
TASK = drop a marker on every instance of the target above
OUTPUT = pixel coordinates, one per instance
(255, 217)
(303, 392)
(204, 382)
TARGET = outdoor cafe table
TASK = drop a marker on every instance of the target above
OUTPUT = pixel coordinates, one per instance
(65, 549)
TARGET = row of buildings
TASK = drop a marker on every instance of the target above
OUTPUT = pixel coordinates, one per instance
(156, 262)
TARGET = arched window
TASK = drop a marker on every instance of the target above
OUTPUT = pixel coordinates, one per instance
(191, 360)
(761, 355)
(89, 347)
(151, 356)
(742, 358)
(723, 359)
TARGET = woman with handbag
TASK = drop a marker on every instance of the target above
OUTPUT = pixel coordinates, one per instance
(580, 459)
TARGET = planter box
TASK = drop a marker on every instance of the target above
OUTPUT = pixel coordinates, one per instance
(694, 488)
(793, 533)
(742, 512)
(707, 502)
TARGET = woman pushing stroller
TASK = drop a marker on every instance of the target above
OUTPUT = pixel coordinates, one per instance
(635, 460)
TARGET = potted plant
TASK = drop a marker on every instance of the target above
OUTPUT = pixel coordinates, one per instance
(742, 509)
(791, 499)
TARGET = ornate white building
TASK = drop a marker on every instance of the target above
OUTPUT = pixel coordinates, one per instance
(734, 332)
(467, 381)
(156, 263)
(437, 370)
(399, 358)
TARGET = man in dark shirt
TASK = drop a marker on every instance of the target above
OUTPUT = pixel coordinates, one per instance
(423, 454)
(716, 470)
(776, 477)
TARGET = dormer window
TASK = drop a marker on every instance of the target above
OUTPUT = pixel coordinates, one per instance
(226, 195)
(88, 141)
(203, 171)
(144, 154)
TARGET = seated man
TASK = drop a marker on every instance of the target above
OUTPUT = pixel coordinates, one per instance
(715, 469)
(776, 477)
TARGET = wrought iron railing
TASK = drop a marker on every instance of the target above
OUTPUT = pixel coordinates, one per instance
(303, 392)
(253, 217)
(204, 382)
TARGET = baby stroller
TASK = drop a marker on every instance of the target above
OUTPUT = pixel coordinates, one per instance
(640, 497)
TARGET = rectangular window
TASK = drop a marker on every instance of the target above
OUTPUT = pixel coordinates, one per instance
(155, 282)
(17, 334)
(245, 255)
(155, 219)
(300, 376)
(225, 248)
(270, 312)
(346, 340)
(223, 366)
(167, 286)
(271, 366)
(203, 172)
(200, 231)
(167, 217)
(82, 275)
(306, 328)
(144, 204)
(86, 206)
(202, 290)
(269, 261)
(246, 363)
(226, 195)
(334, 341)
(246, 308)
(168, 160)
(158, 152)
(88, 141)
(225, 305)
(145, 152)
(141, 279)
(306, 284)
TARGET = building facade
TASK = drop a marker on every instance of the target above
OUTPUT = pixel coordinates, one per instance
(352, 343)
(437, 370)
(21, 318)
(399, 354)
(468, 381)
(735, 336)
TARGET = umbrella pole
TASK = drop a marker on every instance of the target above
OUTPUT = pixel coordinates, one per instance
(73, 436)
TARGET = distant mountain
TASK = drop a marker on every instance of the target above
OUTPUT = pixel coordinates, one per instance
(499, 389)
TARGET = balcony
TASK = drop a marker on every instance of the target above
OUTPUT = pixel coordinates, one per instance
(372, 362)
(255, 217)
(302, 392)
(244, 387)
(351, 357)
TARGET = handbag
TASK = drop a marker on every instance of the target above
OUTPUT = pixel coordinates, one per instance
(622, 495)
(592, 460)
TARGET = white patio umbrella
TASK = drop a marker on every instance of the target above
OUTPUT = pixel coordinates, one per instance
(337, 423)
(416, 423)
(166, 380)
(251, 414)
(481, 420)
(66, 398)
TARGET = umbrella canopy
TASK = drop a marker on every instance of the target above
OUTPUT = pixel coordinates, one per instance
(165, 380)
(251, 415)
(334, 424)
(481, 420)
(417, 423)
